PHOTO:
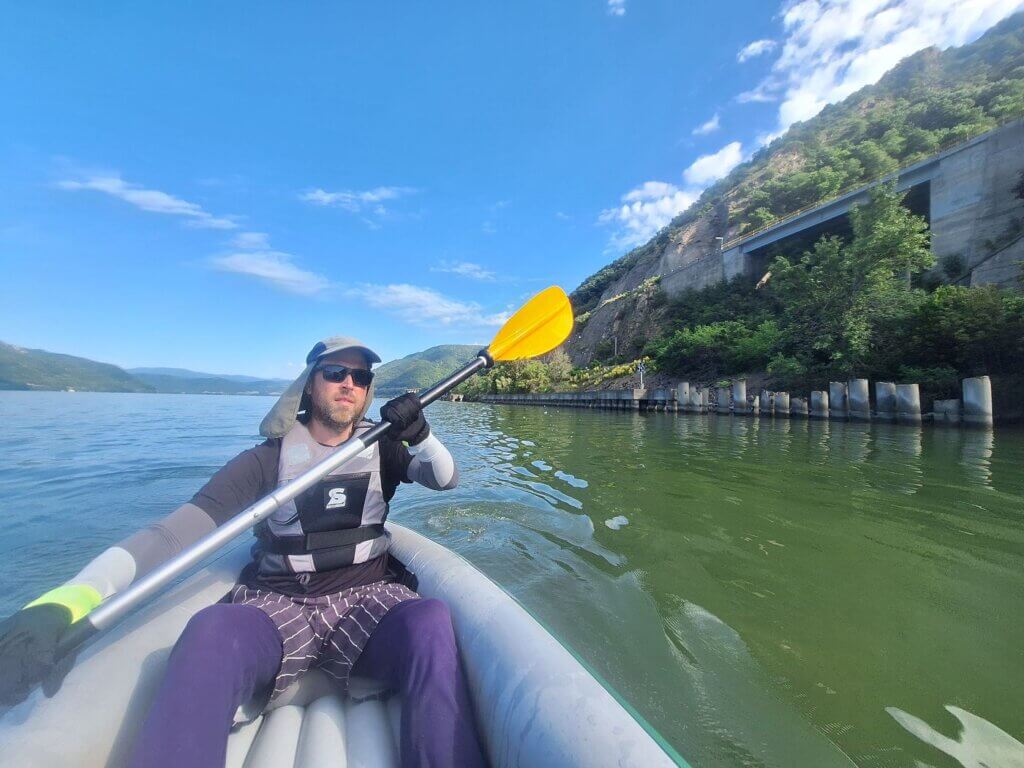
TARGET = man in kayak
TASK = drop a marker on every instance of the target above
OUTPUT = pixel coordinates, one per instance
(321, 591)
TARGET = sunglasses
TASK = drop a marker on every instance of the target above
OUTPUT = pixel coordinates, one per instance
(361, 377)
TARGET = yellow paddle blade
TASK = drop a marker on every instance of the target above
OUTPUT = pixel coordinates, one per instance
(540, 325)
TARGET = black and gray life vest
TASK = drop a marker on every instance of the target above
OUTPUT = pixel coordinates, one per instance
(337, 522)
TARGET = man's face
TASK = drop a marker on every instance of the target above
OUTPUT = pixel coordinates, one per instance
(336, 404)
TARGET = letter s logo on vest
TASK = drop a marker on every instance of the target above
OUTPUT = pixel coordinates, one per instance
(336, 498)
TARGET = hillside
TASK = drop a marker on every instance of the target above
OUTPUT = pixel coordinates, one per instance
(41, 370)
(37, 369)
(209, 384)
(422, 369)
(929, 101)
(185, 373)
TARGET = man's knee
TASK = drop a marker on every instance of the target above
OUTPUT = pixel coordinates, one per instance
(427, 626)
(223, 629)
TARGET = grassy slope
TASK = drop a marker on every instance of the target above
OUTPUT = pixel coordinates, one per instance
(173, 384)
(422, 369)
(39, 369)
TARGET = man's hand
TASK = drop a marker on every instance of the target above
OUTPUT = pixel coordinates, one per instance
(406, 414)
(28, 645)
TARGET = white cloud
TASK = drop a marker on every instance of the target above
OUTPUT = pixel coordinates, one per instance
(369, 201)
(254, 257)
(251, 241)
(425, 306)
(617, 7)
(710, 126)
(754, 49)
(644, 211)
(650, 190)
(707, 168)
(651, 206)
(832, 48)
(465, 269)
(273, 267)
(763, 93)
(152, 200)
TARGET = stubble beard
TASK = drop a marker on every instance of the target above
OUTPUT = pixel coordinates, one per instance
(336, 416)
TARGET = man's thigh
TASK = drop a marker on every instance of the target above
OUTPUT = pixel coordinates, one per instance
(412, 632)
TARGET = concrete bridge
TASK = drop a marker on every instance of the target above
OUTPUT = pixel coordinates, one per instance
(965, 192)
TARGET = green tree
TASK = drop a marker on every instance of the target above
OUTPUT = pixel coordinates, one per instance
(838, 294)
(874, 159)
(726, 347)
(559, 366)
(971, 330)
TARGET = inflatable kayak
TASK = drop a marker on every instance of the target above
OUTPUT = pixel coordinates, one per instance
(536, 704)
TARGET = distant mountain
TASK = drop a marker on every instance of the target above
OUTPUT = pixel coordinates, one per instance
(38, 369)
(185, 373)
(422, 369)
(210, 384)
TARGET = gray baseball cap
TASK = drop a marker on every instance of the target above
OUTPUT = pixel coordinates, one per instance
(282, 416)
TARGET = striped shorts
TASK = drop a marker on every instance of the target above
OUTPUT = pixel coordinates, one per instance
(328, 632)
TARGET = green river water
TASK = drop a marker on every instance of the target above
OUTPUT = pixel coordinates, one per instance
(780, 584)
(764, 593)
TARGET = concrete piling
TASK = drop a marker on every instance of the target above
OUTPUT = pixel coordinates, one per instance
(696, 404)
(781, 404)
(798, 407)
(739, 396)
(908, 402)
(858, 399)
(694, 399)
(885, 400)
(977, 400)
(837, 398)
(683, 396)
(722, 401)
(765, 402)
(819, 404)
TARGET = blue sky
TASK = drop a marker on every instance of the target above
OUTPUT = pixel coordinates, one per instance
(218, 185)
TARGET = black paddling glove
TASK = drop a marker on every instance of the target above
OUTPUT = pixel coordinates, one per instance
(406, 414)
(28, 646)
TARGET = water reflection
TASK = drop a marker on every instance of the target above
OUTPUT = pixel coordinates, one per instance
(848, 442)
(980, 744)
(976, 447)
(896, 460)
(739, 430)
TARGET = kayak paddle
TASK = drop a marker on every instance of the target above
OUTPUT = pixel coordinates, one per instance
(539, 326)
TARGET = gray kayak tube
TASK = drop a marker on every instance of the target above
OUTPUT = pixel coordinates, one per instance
(536, 703)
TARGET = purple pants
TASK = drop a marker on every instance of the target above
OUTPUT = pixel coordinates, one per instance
(228, 652)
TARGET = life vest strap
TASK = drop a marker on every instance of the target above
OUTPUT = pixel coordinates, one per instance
(312, 542)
